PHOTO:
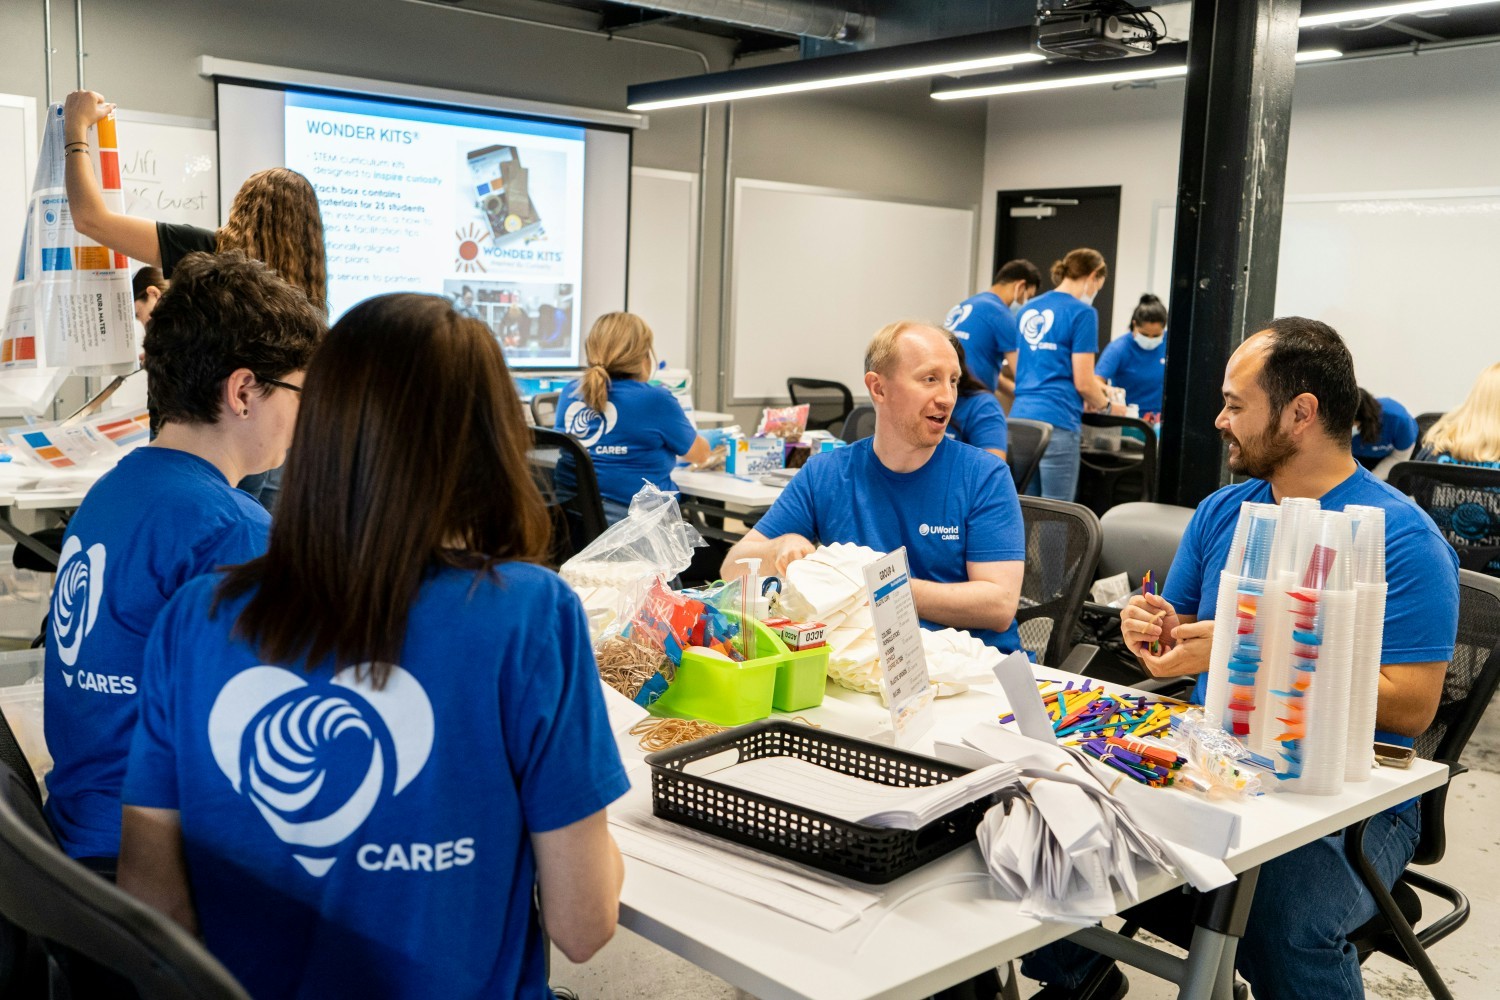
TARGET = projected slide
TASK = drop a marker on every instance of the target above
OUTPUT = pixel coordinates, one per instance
(484, 209)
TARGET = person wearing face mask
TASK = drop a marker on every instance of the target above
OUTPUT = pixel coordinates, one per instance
(986, 325)
(1054, 366)
(1138, 363)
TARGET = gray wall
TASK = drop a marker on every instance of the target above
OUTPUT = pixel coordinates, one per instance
(887, 140)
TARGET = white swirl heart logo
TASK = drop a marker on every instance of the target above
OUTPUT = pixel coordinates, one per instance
(1034, 325)
(587, 425)
(957, 315)
(76, 597)
(315, 759)
(924, 530)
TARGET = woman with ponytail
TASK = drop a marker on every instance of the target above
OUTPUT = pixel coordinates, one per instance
(1054, 366)
(634, 431)
(1384, 433)
(1137, 362)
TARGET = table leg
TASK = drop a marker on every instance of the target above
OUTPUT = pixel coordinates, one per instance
(1218, 924)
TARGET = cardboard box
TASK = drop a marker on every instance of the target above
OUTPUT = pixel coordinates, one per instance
(804, 635)
(751, 456)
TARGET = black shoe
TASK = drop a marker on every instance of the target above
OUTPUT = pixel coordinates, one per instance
(1113, 986)
(985, 986)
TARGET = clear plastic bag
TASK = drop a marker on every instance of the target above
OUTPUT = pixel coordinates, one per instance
(651, 540)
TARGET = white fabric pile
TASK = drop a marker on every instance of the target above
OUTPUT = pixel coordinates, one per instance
(829, 586)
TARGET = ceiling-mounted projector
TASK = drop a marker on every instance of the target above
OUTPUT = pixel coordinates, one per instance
(1095, 30)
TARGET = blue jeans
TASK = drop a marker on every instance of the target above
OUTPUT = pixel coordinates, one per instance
(264, 486)
(1306, 903)
(1057, 474)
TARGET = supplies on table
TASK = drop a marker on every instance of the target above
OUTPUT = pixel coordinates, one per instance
(828, 586)
(1287, 674)
(809, 795)
(786, 422)
(677, 381)
(755, 455)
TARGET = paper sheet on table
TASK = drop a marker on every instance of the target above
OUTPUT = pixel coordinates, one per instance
(1019, 682)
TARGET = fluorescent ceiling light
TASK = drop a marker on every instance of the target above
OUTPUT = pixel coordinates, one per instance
(1385, 10)
(1058, 83)
(826, 83)
(1318, 55)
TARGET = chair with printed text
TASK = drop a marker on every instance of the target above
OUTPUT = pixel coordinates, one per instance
(1125, 471)
(544, 408)
(1424, 424)
(1062, 553)
(1464, 502)
(859, 424)
(1472, 679)
(1028, 440)
(828, 403)
(564, 473)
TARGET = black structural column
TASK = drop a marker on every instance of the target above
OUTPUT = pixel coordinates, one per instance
(1235, 119)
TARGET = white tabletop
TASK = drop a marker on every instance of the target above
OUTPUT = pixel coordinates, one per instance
(911, 946)
(33, 488)
(738, 494)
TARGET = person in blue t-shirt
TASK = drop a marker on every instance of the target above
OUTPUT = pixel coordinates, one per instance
(977, 418)
(1137, 362)
(224, 353)
(986, 324)
(634, 431)
(1289, 403)
(1384, 433)
(1054, 366)
(367, 756)
(953, 507)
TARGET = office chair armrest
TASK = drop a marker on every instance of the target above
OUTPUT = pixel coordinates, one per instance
(1077, 662)
(1433, 842)
(1168, 687)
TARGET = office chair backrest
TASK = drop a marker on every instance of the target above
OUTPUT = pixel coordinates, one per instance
(544, 408)
(828, 402)
(1110, 478)
(1424, 424)
(564, 473)
(1464, 502)
(1473, 673)
(859, 424)
(52, 897)
(1024, 451)
(1141, 536)
(1062, 553)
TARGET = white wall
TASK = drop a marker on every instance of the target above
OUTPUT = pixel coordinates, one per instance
(1392, 124)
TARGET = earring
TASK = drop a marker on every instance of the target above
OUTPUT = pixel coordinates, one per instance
(244, 413)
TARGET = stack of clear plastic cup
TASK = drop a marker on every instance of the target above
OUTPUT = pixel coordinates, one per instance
(1369, 636)
(1234, 660)
(1294, 517)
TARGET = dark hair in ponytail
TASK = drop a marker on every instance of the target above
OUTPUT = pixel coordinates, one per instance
(1148, 310)
(1369, 417)
(968, 385)
(1078, 263)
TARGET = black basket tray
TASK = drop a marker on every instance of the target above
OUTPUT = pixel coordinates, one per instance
(864, 853)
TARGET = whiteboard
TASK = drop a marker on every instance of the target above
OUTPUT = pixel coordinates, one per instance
(169, 168)
(18, 139)
(815, 273)
(1403, 276)
(663, 258)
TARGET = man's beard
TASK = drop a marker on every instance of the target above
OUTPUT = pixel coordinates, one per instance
(1263, 455)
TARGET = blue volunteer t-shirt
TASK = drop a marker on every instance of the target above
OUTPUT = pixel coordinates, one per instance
(988, 331)
(348, 842)
(638, 436)
(152, 523)
(1421, 569)
(1398, 431)
(959, 508)
(977, 419)
(1138, 371)
(1054, 326)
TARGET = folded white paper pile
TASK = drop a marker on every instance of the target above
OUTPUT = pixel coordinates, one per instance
(809, 786)
(829, 586)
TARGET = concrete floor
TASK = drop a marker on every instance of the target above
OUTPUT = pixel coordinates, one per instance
(631, 967)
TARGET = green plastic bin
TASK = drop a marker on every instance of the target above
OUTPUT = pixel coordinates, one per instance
(732, 694)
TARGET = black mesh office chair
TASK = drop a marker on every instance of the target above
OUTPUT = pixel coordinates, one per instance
(1062, 552)
(1424, 424)
(1107, 478)
(1473, 676)
(828, 403)
(859, 424)
(1027, 444)
(55, 899)
(564, 473)
(1464, 501)
(544, 408)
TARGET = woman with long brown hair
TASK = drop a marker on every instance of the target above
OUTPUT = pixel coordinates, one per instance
(362, 754)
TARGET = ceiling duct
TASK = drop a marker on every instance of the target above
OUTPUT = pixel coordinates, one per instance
(788, 17)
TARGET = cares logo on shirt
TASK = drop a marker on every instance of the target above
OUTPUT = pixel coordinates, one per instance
(587, 425)
(947, 532)
(1034, 325)
(76, 598)
(957, 315)
(315, 759)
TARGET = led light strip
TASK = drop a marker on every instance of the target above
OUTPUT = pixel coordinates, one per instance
(1385, 10)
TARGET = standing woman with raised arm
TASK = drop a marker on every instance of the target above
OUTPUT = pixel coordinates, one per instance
(1054, 366)
(274, 219)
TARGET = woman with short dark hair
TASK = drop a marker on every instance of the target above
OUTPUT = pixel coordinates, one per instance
(365, 754)
(1137, 362)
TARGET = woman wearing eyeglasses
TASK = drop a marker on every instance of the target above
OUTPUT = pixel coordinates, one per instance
(224, 360)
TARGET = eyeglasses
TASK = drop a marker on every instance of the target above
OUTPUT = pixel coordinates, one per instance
(279, 384)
